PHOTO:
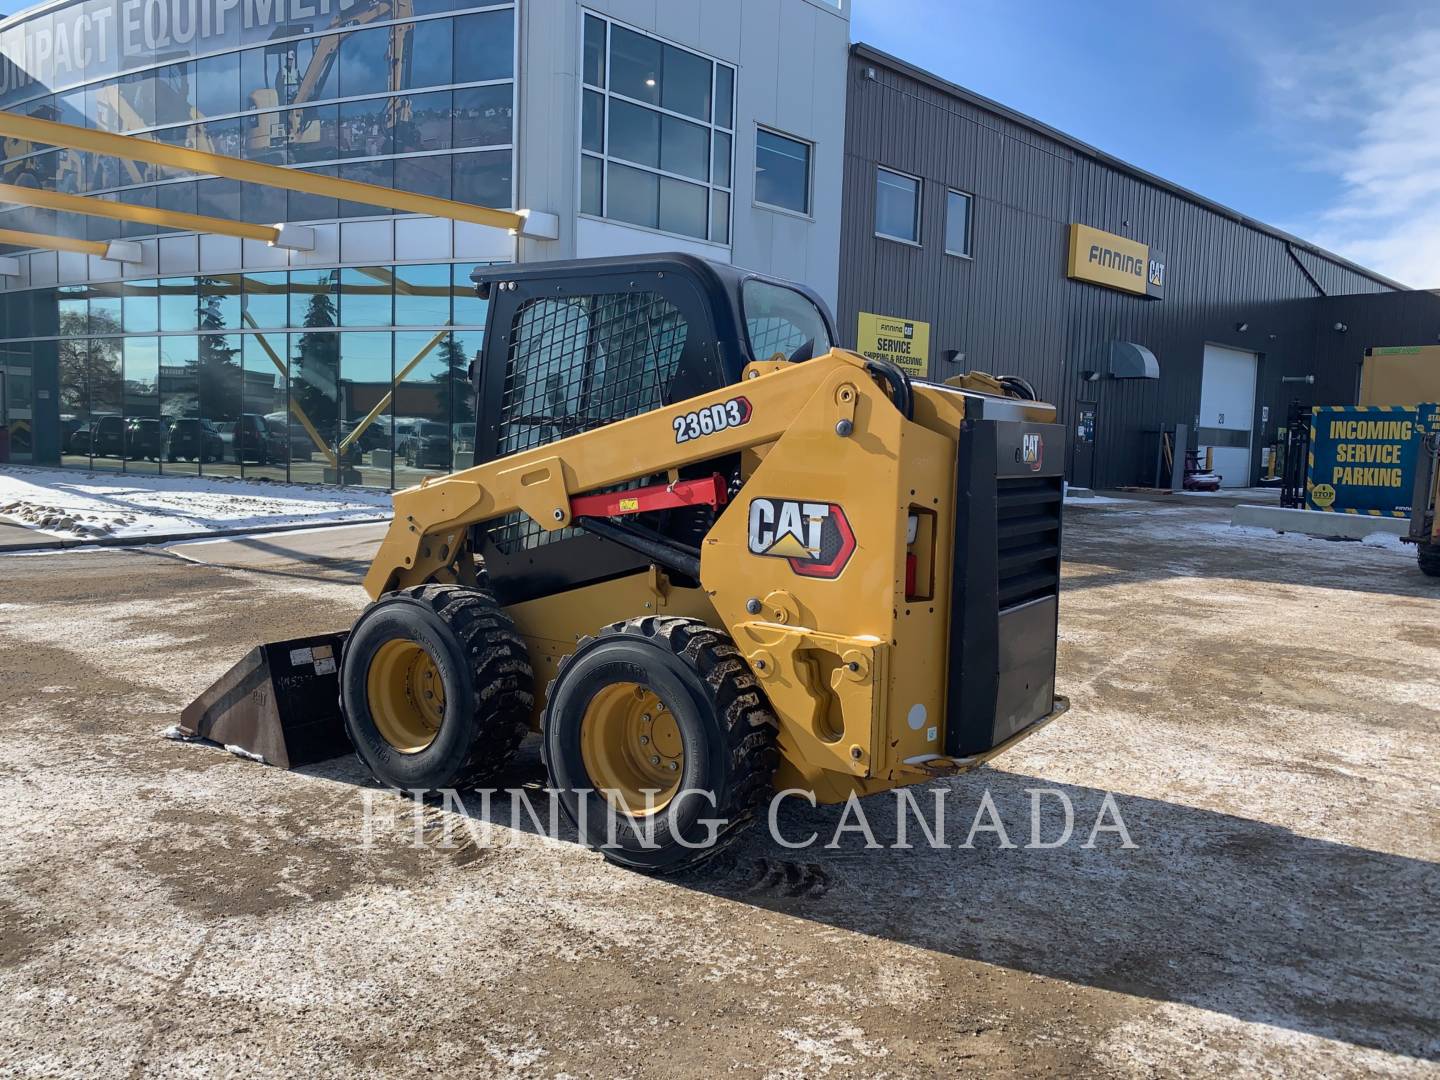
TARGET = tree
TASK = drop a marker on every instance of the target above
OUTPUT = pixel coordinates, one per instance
(218, 374)
(88, 370)
(315, 369)
(453, 392)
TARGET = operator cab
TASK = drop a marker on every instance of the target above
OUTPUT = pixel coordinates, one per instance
(575, 345)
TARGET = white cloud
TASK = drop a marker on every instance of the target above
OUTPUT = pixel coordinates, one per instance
(1367, 105)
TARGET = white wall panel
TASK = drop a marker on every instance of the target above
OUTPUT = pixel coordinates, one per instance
(219, 254)
(44, 268)
(367, 241)
(424, 238)
(74, 267)
(179, 255)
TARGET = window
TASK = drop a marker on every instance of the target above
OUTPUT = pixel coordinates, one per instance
(959, 209)
(782, 171)
(782, 321)
(656, 136)
(580, 363)
(897, 206)
(365, 62)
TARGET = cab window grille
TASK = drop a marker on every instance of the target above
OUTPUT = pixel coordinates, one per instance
(577, 363)
(769, 337)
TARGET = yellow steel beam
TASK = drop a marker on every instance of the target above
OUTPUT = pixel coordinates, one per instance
(143, 215)
(52, 243)
(33, 129)
(295, 408)
(381, 405)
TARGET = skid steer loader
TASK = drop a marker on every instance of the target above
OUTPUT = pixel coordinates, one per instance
(702, 551)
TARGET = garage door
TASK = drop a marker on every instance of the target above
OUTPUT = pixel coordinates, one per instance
(1227, 410)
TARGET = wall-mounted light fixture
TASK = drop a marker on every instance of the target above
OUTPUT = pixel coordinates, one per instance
(1241, 327)
(954, 356)
(1340, 328)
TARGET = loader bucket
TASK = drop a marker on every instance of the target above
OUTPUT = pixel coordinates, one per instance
(281, 703)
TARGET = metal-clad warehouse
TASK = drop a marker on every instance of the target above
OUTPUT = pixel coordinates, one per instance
(1030, 253)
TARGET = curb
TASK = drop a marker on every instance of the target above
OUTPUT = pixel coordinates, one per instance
(63, 543)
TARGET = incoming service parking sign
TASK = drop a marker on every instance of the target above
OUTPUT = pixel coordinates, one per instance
(1362, 457)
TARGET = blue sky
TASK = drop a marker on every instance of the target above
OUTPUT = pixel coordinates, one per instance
(1321, 117)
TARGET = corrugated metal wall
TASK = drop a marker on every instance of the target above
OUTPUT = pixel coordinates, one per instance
(1376, 320)
(1010, 309)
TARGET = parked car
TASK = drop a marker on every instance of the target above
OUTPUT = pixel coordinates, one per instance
(79, 441)
(256, 441)
(226, 428)
(428, 447)
(374, 437)
(107, 437)
(302, 447)
(194, 439)
(145, 438)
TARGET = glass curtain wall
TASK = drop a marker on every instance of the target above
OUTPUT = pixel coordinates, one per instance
(351, 376)
(387, 91)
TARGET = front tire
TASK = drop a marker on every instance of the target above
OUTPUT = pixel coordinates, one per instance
(668, 707)
(1428, 556)
(435, 687)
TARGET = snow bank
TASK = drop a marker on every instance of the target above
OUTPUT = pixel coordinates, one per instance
(89, 505)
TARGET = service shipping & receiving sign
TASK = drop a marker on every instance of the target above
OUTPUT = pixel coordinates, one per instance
(1362, 457)
(903, 342)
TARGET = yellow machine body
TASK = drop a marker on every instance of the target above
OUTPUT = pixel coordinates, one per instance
(856, 675)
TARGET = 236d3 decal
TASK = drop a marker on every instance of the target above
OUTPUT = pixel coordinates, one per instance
(713, 418)
(815, 538)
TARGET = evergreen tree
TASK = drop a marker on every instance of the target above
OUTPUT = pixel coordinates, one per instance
(453, 393)
(218, 375)
(315, 369)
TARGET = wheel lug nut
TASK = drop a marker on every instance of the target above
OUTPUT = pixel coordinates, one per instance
(674, 766)
(645, 719)
(654, 759)
(644, 740)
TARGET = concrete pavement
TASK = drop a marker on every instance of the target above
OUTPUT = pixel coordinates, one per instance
(333, 551)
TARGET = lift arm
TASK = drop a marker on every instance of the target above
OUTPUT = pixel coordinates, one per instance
(426, 539)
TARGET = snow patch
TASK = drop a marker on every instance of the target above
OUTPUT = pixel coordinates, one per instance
(1386, 540)
(89, 505)
(240, 751)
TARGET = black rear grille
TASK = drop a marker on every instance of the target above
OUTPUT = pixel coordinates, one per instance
(1027, 530)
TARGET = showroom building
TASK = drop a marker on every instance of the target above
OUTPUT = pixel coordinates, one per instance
(640, 125)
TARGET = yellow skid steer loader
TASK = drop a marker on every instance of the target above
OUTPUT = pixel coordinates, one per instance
(702, 551)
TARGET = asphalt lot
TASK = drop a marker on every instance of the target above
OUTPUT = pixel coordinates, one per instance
(1265, 711)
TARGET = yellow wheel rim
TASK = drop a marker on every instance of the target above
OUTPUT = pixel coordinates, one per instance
(405, 695)
(631, 745)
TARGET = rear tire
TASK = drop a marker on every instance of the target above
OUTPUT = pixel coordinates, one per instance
(435, 687)
(707, 752)
(1428, 556)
